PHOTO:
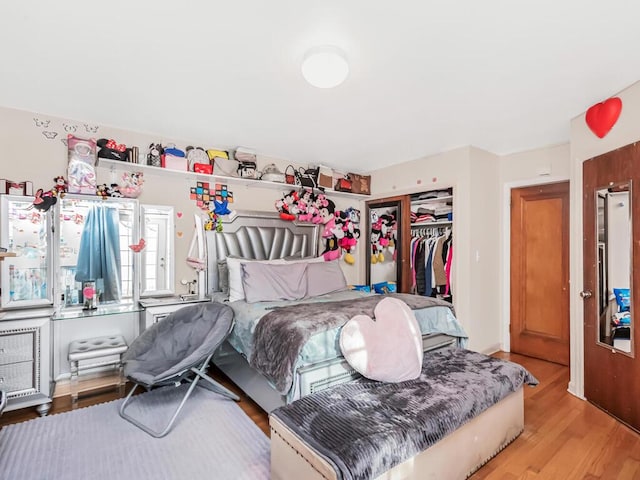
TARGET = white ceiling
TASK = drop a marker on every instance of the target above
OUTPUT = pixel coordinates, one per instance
(426, 76)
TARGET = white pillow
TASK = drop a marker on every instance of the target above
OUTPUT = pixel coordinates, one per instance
(236, 291)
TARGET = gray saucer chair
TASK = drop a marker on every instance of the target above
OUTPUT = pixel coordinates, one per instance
(176, 349)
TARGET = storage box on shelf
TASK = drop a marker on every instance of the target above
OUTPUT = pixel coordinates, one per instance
(248, 182)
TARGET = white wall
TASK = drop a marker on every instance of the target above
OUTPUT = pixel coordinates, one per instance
(585, 145)
(474, 176)
(484, 244)
(27, 154)
(533, 167)
(482, 183)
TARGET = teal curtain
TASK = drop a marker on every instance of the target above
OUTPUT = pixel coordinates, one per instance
(99, 253)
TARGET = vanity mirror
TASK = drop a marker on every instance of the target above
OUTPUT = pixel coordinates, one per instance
(94, 235)
(614, 253)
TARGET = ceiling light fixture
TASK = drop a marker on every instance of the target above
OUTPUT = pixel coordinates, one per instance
(325, 66)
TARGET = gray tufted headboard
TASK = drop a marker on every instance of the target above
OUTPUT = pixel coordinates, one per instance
(258, 235)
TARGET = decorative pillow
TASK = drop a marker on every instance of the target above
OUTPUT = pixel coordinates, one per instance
(324, 277)
(623, 298)
(236, 292)
(387, 349)
(223, 276)
(299, 259)
(270, 283)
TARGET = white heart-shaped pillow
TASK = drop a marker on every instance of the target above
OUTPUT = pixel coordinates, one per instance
(387, 349)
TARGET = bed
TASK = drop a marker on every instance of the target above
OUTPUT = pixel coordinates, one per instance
(318, 363)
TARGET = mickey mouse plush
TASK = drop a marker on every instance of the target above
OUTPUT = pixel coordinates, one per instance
(154, 157)
(287, 206)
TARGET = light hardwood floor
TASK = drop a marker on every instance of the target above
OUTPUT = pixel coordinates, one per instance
(564, 437)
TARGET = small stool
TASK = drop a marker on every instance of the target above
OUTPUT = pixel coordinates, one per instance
(93, 353)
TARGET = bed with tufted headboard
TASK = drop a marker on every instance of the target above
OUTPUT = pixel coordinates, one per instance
(318, 363)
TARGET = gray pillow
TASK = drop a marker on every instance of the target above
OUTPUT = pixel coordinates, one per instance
(324, 277)
(272, 282)
(223, 276)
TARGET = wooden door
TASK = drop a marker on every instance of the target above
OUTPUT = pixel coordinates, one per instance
(611, 375)
(540, 272)
(401, 206)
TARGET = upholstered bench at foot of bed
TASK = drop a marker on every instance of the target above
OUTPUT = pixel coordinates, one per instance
(456, 456)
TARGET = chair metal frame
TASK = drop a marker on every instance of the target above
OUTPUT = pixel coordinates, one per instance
(176, 380)
(193, 373)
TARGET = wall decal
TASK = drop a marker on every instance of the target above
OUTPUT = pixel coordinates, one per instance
(69, 128)
(179, 234)
(179, 214)
(65, 142)
(138, 247)
(41, 123)
(602, 116)
(50, 135)
(90, 128)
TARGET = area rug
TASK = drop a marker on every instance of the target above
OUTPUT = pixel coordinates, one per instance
(211, 439)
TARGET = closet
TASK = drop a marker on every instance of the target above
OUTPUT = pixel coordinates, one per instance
(417, 249)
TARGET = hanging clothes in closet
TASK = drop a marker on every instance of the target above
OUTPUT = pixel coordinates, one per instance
(431, 260)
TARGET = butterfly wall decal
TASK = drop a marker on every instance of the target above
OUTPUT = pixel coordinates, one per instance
(137, 247)
(41, 123)
(50, 135)
(91, 128)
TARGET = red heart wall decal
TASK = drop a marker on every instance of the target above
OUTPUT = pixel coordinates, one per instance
(601, 117)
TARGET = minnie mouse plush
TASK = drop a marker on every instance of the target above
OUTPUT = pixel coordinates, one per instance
(376, 234)
(331, 233)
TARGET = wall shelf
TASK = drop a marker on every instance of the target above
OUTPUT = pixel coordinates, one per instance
(201, 177)
(439, 223)
(4, 255)
(425, 201)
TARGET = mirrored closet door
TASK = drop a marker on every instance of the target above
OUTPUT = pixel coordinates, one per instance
(611, 221)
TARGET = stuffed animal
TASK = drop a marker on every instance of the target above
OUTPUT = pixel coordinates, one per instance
(376, 234)
(131, 186)
(307, 210)
(287, 206)
(111, 150)
(154, 157)
(350, 236)
(113, 190)
(321, 201)
(214, 222)
(60, 186)
(101, 190)
(44, 200)
(331, 233)
(221, 208)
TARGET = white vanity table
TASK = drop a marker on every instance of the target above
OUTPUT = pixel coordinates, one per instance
(25, 358)
(41, 294)
(155, 309)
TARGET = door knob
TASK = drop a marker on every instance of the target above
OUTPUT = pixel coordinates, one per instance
(586, 294)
